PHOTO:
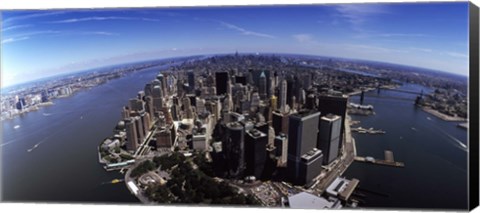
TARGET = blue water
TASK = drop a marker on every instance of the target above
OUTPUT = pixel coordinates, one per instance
(434, 152)
(64, 166)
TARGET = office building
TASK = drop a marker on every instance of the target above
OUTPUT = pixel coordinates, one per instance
(310, 166)
(329, 137)
(131, 130)
(302, 137)
(281, 145)
(337, 105)
(221, 80)
(255, 152)
(233, 148)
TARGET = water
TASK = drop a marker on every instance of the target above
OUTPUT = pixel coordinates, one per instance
(434, 153)
(50, 155)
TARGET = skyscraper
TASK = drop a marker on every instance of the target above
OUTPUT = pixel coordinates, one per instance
(255, 152)
(281, 143)
(302, 138)
(336, 105)
(233, 148)
(329, 137)
(221, 80)
(262, 86)
(283, 96)
(191, 82)
(132, 139)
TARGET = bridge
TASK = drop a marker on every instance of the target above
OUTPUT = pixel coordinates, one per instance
(378, 94)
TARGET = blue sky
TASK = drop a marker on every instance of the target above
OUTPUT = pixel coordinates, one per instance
(42, 43)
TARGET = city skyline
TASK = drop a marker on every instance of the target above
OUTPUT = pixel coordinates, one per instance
(62, 41)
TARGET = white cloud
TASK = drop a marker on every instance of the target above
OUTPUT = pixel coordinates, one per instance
(358, 14)
(102, 18)
(15, 27)
(10, 40)
(245, 31)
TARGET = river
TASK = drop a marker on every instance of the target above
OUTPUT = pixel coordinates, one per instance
(434, 152)
(64, 166)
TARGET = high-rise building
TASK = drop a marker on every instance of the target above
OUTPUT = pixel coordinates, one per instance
(302, 137)
(136, 104)
(329, 137)
(132, 139)
(280, 122)
(191, 82)
(281, 143)
(283, 96)
(164, 139)
(157, 95)
(139, 128)
(255, 152)
(233, 148)
(221, 80)
(337, 105)
(262, 86)
(273, 102)
(310, 166)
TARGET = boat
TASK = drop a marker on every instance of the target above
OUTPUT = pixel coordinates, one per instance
(16, 126)
(116, 181)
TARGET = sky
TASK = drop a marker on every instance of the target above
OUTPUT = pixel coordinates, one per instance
(42, 43)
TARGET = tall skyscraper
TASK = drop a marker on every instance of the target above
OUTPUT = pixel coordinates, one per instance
(157, 95)
(302, 138)
(255, 152)
(132, 139)
(139, 128)
(191, 82)
(337, 105)
(310, 166)
(283, 96)
(262, 86)
(233, 148)
(281, 143)
(329, 137)
(221, 80)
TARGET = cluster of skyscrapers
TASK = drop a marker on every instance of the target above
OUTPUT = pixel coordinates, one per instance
(259, 123)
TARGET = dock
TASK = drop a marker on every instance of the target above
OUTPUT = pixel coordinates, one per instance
(389, 160)
(369, 131)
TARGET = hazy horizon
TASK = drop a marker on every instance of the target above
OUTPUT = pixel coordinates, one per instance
(45, 43)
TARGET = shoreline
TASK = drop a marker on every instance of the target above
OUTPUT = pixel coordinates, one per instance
(443, 116)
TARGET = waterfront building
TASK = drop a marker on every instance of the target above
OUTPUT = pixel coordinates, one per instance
(131, 130)
(329, 137)
(334, 104)
(302, 137)
(310, 166)
(139, 128)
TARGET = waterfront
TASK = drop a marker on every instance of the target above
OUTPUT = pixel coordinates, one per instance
(62, 165)
(433, 150)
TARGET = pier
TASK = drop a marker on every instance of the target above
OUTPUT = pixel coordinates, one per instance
(369, 131)
(389, 160)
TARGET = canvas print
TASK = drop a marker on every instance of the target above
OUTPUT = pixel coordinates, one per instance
(322, 106)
